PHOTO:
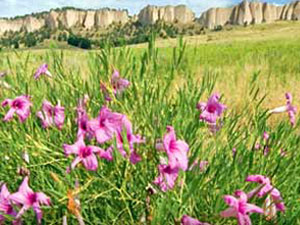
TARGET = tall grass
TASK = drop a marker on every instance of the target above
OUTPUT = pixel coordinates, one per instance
(166, 84)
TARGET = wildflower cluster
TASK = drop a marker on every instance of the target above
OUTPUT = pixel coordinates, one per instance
(112, 132)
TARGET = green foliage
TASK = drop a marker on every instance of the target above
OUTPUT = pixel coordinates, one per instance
(79, 42)
(218, 28)
(135, 33)
(164, 91)
(117, 34)
(30, 40)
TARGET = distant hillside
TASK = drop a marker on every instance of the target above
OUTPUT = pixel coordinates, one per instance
(246, 13)
(89, 19)
(94, 28)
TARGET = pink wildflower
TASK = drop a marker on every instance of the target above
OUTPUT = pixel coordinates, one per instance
(105, 92)
(176, 150)
(167, 177)
(266, 136)
(159, 145)
(84, 154)
(292, 110)
(187, 220)
(3, 74)
(51, 115)
(119, 84)
(240, 208)
(266, 150)
(30, 199)
(289, 108)
(211, 110)
(266, 188)
(20, 105)
(82, 118)
(202, 165)
(282, 152)
(269, 208)
(131, 139)
(106, 154)
(233, 152)
(257, 146)
(105, 125)
(83, 127)
(43, 69)
(177, 159)
(6, 209)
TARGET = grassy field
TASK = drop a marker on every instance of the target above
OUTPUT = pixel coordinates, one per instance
(252, 68)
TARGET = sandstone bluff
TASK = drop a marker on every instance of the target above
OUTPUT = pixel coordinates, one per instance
(250, 13)
(95, 18)
(241, 14)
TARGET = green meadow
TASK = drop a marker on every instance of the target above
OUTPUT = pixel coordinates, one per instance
(251, 68)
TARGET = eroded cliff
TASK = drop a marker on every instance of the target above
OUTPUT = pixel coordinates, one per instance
(180, 14)
(250, 13)
(66, 18)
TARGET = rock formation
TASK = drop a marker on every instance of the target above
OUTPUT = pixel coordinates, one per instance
(105, 18)
(296, 11)
(256, 9)
(29, 23)
(269, 13)
(250, 13)
(89, 21)
(72, 18)
(180, 14)
(51, 20)
(66, 18)
(289, 12)
(242, 14)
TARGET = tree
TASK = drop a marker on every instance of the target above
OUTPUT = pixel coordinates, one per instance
(16, 44)
(79, 42)
(30, 40)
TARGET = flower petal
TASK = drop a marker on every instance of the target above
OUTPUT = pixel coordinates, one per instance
(106, 154)
(43, 199)
(230, 200)
(250, 208)
(75, 162)
(59, 116)
(90, 162)
(9, 115)
(134, 157)
(230, 212)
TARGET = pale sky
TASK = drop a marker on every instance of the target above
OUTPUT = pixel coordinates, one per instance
(11, 8)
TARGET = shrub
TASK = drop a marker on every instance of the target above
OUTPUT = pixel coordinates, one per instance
(79, 42)
(30, 40)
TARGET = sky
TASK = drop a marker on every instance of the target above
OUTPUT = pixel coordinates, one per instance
(11, 8)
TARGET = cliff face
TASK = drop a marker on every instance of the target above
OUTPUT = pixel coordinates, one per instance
(71, 18)
(243, 13)
(66, 18)
(171, 14)
(104, 18)
(89, 21)
(51, 20)
(250, 13)
(256, 9)
(29, 23)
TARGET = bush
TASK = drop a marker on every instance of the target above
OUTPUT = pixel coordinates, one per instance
(218, 28)
(16, 44)
(79, 42)
(30, 40)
